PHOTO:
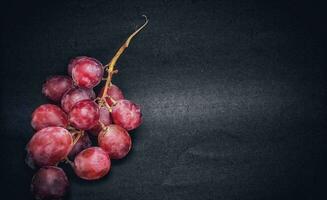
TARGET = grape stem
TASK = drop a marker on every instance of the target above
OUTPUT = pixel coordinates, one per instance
(107, 106)
(103, 127)
(77, 135)
(67, 161)
(120, 51)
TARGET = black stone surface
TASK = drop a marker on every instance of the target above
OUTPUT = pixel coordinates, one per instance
(233, 94)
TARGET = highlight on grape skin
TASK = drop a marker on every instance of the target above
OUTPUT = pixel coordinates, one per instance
(72, 63)
(49, 146)
(62, 131)
(116, 141)
(73, 96)
(48, 115)
(92, 163)
(127, 114)
(87, 72)
(56, 86)
(84, 115)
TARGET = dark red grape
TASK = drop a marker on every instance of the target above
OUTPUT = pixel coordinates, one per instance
(92, 163)
(84, 115)
(56, 86)
(126, 114)
(115, 140)
(82, 143)
(87, 72)
(48, 115)
(48, 146)
(72, 62)
(49, 183)
(105, 119)
(53, 143)
(114, 92)
(71, 97)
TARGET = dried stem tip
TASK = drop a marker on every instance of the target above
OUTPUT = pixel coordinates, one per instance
(118, 54)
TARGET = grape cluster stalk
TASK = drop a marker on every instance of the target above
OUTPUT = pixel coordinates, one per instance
(64, 127)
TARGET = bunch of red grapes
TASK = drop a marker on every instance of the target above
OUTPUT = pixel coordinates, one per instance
(62, 128)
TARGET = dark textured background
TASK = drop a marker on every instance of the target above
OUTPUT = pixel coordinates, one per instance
(233, 94)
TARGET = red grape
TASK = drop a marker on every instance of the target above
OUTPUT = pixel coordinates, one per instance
(115, 140)
(80, 112)
(49, 183)
(48, 115)
(71, 97)
(84, 115)
(104, 118)
(92, 163)
(72, 62)
(56, 86)
(82, 143)
(126, 114)
(87, 72)
(48, 146)
(114, 92)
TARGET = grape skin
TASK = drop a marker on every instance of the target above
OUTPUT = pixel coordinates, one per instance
(87, 72)
(126, 114)
(92, 163)
(71, 97)
(49, 146)
(116, 141)
(49, 183)
(55, 87)
(84, 115)
(48, 115)
(72, 62)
